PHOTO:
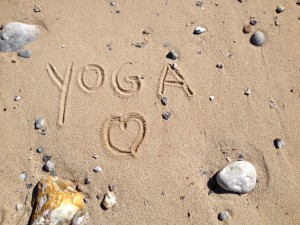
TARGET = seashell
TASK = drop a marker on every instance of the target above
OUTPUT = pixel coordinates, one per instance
(57, 202)
(109, 200)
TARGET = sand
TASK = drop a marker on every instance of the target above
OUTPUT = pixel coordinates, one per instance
(160, 168)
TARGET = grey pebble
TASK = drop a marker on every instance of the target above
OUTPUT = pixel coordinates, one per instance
(164, 100)
(166, 115)
(111, 187)
(247, 92)
(86, 200)
(223, 215)
(241, 157)
(46, 158)
(172, 55)
(280, 9)
(38, 124)
(79, 188)
(40, 149)
(278, 143)
(97, 169)
(25, 53)
(258, 38)
(28, 186)
(87, 180)
(99, 196)
(17, 98)
(49, 166)
(37, 8)
(19, 206)
(220, 65)
(253, 21)
(23, 176)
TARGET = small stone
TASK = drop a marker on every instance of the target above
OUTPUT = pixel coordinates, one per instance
(164, 100)
(112, 3)
(86, 200)
(166, 115)
(247, 92)
(223, 215)
(272, 103)
(241, 157)
(253, 21)
(39, 123)
(17, 98)
(146, 32)
(172, 55)
(109, 200)
(298, 2)
(277, 23)
(79, 187)
(258, 38)
(28, 186)
(239, 177)
(40, 149)
(278, 143)
(174, 66)
(211, 192)
(138, 45)
(97, 169)
(211, 98)
(19, 206)
(99, 196)
(23, 176)
(247, 29)
(280, 9)
(37, 8)
(25, 53)
(46, 158)
(49, 166)
(87, 180)
(118, 11)
(95, 156)
(111, 187)
(199, 30)
(220, 65)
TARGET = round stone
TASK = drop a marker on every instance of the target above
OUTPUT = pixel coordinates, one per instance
(258, 38)
(278, 143)
(239, 177)
(247, 29)
(166, 115)
(40, 149)
(49, 166)
(97, 169)
(223, 215)
(164, 100)
(37, 8)
(25, 53)
(280, 9)
(39, 123)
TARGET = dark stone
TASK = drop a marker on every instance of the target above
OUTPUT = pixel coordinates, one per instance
(172, 55)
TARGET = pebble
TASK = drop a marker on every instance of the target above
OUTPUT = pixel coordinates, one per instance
(23, 176)
(97, 169)
(247, 92)
(138, 45)
(164, 100)
(239, 177)
(28, 186)
(25, 53)
(40, 149)
(19, 206)
(37, 8)
(220, 65)
(111, 187)
(199, 4)
(109, 200)
(146, 32)
(86, 200)
(16, 35)
(211, 98)
(46, 158)
(258, 38)
(49, 166)
(79, 187)
(278, 143)
(241, 157)
(223, 215)
(87, 180)
(253, 21)
(99, 196)
(247, 29)
(280, 9)
(112, 3)
(272, 103)
(95, 156)
(38, 124)
(17, 98)
(172, 55)
(199, 30)
(174, 65)
(166, 115)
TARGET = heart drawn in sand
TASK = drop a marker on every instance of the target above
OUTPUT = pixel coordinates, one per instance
(124, 134)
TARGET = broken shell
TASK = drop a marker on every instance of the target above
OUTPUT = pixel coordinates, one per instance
(109, 200)
(57, 202)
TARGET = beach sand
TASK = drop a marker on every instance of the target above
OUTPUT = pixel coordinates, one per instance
(108, 103)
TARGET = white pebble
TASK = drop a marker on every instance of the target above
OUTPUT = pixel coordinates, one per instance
(109, 200)
(97, 169)
(19, 206)
(17, 98)
(211, 98)
(199, 30)
(239, 176)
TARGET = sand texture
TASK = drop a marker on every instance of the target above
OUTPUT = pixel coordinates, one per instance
(97, 74)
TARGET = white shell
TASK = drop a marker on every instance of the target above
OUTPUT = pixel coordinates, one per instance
(109, 200)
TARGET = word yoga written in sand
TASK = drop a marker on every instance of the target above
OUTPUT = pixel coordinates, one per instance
(129, 86)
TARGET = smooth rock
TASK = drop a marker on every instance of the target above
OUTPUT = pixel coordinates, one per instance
(239, 177)
(278, 143)
(97, 169)
(87, 180)
(247, 29)
(38, 124)
(253, 21)
(19, 206)
(40, 149)
(25, 53)
(46, 158)
(164, 100)
(223, 215)
(172, 55)
(211, 98)
(219, 65)
(199, 30)
(17, 98)
(109, 200)
(23, 176)
(111, 187)
(258, 38)
(37, 8)
(49, 166)
(280, 9)
(15, 36)
(166, 115)
(247, 92)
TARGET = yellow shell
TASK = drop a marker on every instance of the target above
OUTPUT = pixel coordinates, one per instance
(57, 202)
